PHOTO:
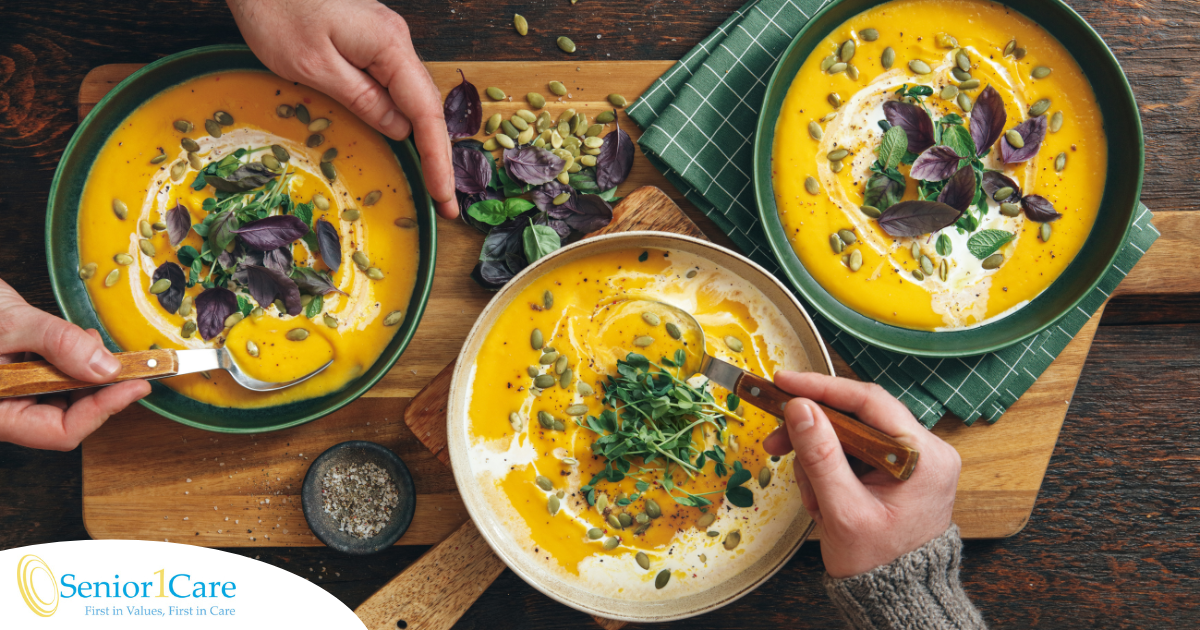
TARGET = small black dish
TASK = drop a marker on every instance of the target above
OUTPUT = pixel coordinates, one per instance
(322, 523)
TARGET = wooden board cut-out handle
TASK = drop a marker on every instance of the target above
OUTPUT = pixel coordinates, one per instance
(870, 445)
(39, 377)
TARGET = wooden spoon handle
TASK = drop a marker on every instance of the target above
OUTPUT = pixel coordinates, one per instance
(870, 445)
(435, 591)
(39, 377)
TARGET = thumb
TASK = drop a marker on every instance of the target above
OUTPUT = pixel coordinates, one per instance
(819, 454)
(63, 344)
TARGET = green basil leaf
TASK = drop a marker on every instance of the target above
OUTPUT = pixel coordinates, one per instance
(539, 241)
(944, 246)
(985, 243)
(489, 211)
(895, 145)
(958, 138)
(187, 254)
(516, 206)
(314, 307)
(741, 497)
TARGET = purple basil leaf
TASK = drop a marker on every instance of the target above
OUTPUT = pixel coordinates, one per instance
(882, 191)
(212, 307)
(172, 297)
(266, 285)
(491, 274)
(1033, 131)
(591, 214)
(615, 159)
(272, 232)
(532, 165)
(179, 222)
(1039, 209)
(279, 259)
(472, 171)
(987, 120)
(246, 177)
(936, 164)
(313, 282)
(914, 121)
(466, 201)
(239, 257)
(960, 190)
(462, 110)
(993, 181)
(543, 198)
(916, 218)
(331, 244)
(559, 226)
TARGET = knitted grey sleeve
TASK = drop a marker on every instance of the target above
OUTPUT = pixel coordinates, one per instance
(919, 590)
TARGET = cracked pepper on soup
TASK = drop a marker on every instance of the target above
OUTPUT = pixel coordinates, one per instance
(938, 163)
(241, 210)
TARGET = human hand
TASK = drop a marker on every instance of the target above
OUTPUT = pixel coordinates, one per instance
(328, 45)
(867, 521)
(59, 422)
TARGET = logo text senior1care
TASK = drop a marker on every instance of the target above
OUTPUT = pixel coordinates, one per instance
(177, 586)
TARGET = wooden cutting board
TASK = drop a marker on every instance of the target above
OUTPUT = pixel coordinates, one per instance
(147, 478)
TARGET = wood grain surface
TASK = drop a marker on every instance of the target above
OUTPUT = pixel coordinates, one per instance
(1112, 541)
(30, 378)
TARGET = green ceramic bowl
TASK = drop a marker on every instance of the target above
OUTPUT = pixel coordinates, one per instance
(1126, 157)
(63, 255)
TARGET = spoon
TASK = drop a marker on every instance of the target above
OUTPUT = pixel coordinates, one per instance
(39, 377)
(859, 440)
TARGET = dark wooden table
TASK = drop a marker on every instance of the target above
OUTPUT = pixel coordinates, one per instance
(1113, 539)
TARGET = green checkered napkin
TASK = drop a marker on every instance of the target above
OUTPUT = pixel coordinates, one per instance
(699, 121)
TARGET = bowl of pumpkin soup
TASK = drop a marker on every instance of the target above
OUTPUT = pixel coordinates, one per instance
(206, 202)
(947, 177)
(595, 466)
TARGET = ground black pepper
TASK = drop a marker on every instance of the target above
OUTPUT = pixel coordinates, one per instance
(360, 497)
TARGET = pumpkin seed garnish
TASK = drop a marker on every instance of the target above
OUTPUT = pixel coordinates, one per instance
(112, 277)
(764, 477)
(662, 578)
(506, 141)
(234, 318)
(521, 24)
(1044, 232)
(320, 201)
(328, 171)
(963, 61)
(835, 100)
(812, 185)
(557, 88)
(595, 533)
(1010, 209)
(285, 111)
(838, 67)
(837, 154)
(560, 364)
(552, 504)
(566, 45)
(251, 348)
(1014, 138)
(847, 236)
(949, 93)
(624, 519)
(828, 62)
(732, 540)
(160, 286)
(372, 198)
(544, 483)
(918, 275)
(617, 100)
(673, 330)
(223, 118)
(1056, 122)
(495, 93)
(406, 223)
(327, 319)
(870, 211)
(351, 214)
(160, 158)
(188, 329)
(705, 520)
(584, 389)
(268, 161)
(611, 543)
(993, 261)
(814, 131)
(189, 145)
(213, 128)
(577, 410)
(916, 251)
(964, 102)
(944, 269)
(945, 40)
(548, 358)
(88, 271)
(302, 113)
(547, 299)
(846, 51)
(643, 560)
(314, 141)
(375, 273)
(393, 318)
(1040, 107)
(120, 209)
(518, 123)
(320, 124)
(1003, 193)
(1041, 72)
(856, 260)
(887, 58)
(651, 318)
(182, 126)
(969, 84)
(605, 117)
(1060, 162)
(868, 34)
(147, 247)
(643, 341)
(1010, 47)
(329, 155)
(185, 307)
(927, 265)
(545, 381)
(734, 343)
(295, 334)
(919, 67)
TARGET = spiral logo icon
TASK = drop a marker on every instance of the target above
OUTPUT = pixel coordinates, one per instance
(28, 568)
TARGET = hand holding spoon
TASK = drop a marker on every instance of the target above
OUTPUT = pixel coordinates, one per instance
(39, 377)
(859, 440)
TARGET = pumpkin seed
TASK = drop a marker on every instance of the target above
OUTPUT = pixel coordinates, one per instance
(611, 543)
(945, 40)
(545, 381)
(515, 421)
(662, 578)
(328, 170)
(577, 410)
(949, 92)
(372, 198)
(651, 318)
(279, 306)
(584, 389)
(836, 167)
(320, 124)
(1039, 107)
(320, 201)
(547, 299)
(1014, 138)
(856, 260)
(544, 483)
(1041, 72)
(188, 329)
(360, 260)
(868, 34)
(566, 45)
(587, 160)
(521, 24)
(393, 318)
(112, 277)
(88, 271)
(177, 171)
(613, 521)
(1003, 193)
(144, 229)
(732, 540)
(919, 67)
(602, 503)
(617, 100)
(285, 111)
(506, 141)
(734, 343)
(828, 62)
(846, 50)
(251, 348)
(493, 123)
(213, 128)
(812, 186)
(564, 178)
(185, 307)
(557, 88)
(837, 154)
(764, 477)
(605, 117)
(160, 286)
(814, 131)
(705, 520)
(182, 126)
(888, 57)
(495, 93)
(595, 533)
(268, 161)
(160, 158)
(223, 118)
(944, 269)
(328, 319)
(1060, 162)
(691, 273)
(314, 141)
(329, 155)
(552, 504)
(643, 560)
(375, 273)
(1010, 209)
(189, 145)
(918, 275)
(964, 102)
(147, 247)
(1044, 232)
(870, 211)
(969, 84)
(994, 261)
(593, 142)
(916, 251)
(835, 100)
(847, 236)
(518, 123)
(838, 67)
(624, 519)
(1056, 122)
(236, 317)
(1010, 46)
(546, 420)
(406, 223)
(560, 364)
(927, 265)
(194, 161)
(302, 113)
(548, 358)
(643, 341)
(508, 128)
